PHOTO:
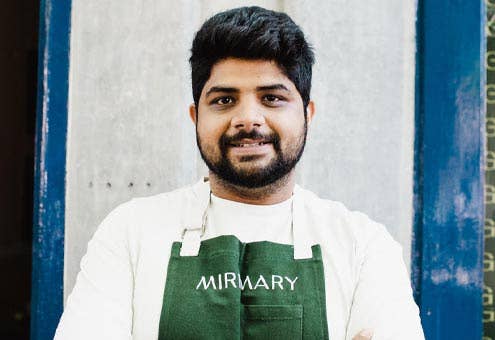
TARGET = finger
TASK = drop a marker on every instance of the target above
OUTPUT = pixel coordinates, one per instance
(365, 334)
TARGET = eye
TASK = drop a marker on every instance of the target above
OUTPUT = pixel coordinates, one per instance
(271, 99)
(227, 100)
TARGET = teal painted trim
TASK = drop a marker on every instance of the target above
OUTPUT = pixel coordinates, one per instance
(49, 184)
(449, 174)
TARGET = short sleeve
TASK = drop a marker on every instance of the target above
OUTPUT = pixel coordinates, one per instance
(100, 305)
(383, 298)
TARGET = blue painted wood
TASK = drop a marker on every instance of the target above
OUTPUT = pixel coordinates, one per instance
(450, 118)
(417, 233)
(49, 188)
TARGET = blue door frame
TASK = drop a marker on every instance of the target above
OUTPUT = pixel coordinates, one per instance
(449, 174)
(50, 157)
(447, 271)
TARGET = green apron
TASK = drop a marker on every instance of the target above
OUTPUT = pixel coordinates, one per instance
(233, 290)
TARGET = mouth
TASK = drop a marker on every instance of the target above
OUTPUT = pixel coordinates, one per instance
(249, 143)
(245, 147)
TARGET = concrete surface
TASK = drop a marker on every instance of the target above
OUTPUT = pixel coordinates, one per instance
(130, 135)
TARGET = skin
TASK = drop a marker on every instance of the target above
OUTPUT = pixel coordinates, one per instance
(365, 334)
(242, 95)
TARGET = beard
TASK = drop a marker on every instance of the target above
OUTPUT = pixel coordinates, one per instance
(254, 177)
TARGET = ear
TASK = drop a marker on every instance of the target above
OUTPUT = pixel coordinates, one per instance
(310, 112)
(192, 113)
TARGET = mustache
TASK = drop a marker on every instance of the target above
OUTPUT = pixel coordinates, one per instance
(253, 134)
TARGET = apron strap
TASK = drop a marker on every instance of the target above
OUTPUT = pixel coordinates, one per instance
(196, 216)
(191, 242)
(302, 244)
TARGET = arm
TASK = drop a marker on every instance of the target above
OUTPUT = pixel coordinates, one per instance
(100, 305)
(383, 299)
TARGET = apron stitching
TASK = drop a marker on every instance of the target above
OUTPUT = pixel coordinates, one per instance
(275, 318)
(171, 291)
(323, 317)
(219, 253)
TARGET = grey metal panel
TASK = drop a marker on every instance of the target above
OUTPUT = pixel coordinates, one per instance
(130, 89)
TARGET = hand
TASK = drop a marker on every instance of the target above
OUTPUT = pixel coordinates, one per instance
(365, 334)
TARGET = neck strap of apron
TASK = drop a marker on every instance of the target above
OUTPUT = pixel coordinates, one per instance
(196, 227)
(300, 226)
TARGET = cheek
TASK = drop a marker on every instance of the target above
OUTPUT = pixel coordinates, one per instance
(210, 130)
(289, 126)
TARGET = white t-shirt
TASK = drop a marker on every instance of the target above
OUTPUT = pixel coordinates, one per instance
(119, 291)
(249, 222)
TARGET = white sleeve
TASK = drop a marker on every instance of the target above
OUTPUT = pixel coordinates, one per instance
(383, 300)
(100, 305)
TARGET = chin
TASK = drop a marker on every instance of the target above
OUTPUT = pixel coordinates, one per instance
(251, 169)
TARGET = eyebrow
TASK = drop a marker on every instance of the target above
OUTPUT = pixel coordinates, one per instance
(226, 89)
(223, 89)
(272, 87)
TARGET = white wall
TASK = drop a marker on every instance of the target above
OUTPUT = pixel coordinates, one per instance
(130, 89)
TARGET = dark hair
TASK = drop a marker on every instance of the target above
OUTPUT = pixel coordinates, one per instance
(252, 33)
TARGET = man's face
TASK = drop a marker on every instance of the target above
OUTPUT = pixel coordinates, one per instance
(250, 127)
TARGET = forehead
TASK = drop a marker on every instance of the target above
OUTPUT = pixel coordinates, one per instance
(246, 74)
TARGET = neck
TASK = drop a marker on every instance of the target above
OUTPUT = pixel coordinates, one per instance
(276, 192)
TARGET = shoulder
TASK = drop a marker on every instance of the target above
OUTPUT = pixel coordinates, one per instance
(170, 203)
(145, 222)
(149, 212)
(157, 203)
(335, 220)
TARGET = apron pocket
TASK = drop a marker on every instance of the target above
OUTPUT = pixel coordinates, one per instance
(272, 322)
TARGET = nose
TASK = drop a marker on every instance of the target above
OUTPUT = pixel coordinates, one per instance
(248, 117)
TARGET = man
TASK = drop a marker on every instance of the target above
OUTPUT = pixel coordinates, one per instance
(246, 253)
